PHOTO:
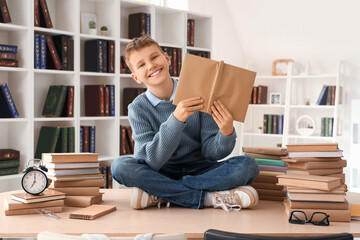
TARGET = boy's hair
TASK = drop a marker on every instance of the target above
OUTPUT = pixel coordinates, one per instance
(136, 44)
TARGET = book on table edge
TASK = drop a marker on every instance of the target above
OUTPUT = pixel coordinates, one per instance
(47, 195)
(9, 154)
(70, 157)
(335, 215)
(32, 211)
(270, 162)
(83, 201)
(278, 151)
(312, 147)
(78, 191)
(214, 80)
(100, 182)
(92, 212)
(10, 204)
(318, 205)
(309, 181)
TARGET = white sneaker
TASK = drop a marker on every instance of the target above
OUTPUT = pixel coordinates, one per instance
(236, 198)
(141, 199)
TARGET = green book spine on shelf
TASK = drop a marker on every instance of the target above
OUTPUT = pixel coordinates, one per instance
(71, 139)
(270, 162)
(47, 141)
(10, 163)
(8, 171)
(55, 100)
(64, 139)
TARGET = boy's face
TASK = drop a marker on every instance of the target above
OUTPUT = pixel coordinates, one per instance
(150, 66)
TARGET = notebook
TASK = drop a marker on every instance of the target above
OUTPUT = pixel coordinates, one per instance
(92, 212)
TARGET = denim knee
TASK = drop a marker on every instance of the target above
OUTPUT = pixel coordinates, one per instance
(253, 166)
(120, 168)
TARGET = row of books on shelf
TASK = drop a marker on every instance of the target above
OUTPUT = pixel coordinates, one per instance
(99, 100)
(327, 95)
(53, 52)
(273, 124)
(175, 55)
(87, 138)
(9, 161)
(190, 32)
(126, 142)
(8, 55)
(100, 56)
(7, 105)
(139, 24)
(327, 126)
(259, 95)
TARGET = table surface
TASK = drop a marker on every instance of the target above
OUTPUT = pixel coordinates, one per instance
(267, 218)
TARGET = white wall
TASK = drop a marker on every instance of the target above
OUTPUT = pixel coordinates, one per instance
(255, 32)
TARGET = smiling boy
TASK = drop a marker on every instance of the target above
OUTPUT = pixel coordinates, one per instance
(177, 148)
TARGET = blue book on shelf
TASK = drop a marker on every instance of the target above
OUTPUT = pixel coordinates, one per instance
(148, 25)
(7, 105)
(81, 140)
(92, 139)
(8, 48)
(112, 99)
(323, 96)
(37, 51)
(42, 52)
(280, 124)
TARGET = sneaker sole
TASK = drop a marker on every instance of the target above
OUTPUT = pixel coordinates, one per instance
(136, 201)
(254, 197)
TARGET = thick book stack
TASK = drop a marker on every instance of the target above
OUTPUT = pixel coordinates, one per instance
(311, 193)
(8, 54)
(327, 126)
(9, 161)
(271, 166)
(139, 24)
(77, 175)
(99, 100)
(4, 12)
(259, 95)
(204, 54)
(100, 56)
(327, 95)
(190, 32)
(87, 139)
(21, 203)
(129, 94)
(59, 101)
(126, 142)
(55, 140)
(273, 124)
(53, 52)
(7, 105)
(323, 159)
(175, 55)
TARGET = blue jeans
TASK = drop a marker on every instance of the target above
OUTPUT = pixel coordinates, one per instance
(185, 185)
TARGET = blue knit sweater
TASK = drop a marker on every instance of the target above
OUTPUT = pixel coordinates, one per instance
(161, 139)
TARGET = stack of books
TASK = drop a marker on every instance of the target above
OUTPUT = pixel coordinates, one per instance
(9, 161)
(322, 159)
(271, 166)
(8, 55)
(77, 175)
(21, 203)
(310, 193)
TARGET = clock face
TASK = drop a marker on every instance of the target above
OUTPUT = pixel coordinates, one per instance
(34, 182)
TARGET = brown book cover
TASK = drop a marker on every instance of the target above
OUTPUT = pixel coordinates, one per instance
(333, 88)
(46, 14)
(47, 195)
(317, 205)
(213, 80)
(86, 138)
(254, 94)
(317, 165)
(271, 198)
(309, 181)
(92, 212)
(125, 145)
(278, 151)
(10, 204)
(9, 63)
(129, 94)
(111, 56)
(338, 175)
(69, 157)
(94, 100)
(136, 25)
(79, 183)
(266, 179)
(310, 159)
(192, 32)
(130, 141)
(76, 177)
(266, 185)
(36, 13)
(32, 211)
(68, 109)
(174, 62)
(7, 56)
(83, 201)
(78, 191)
(54, 54)
(262, 94)
(266, 156)
(271, 192)
(70, 55)
(312, 147)
(316, 197)
(107, 100)
(5, 15)
(335, 215)
(320, 172)
(8, 154)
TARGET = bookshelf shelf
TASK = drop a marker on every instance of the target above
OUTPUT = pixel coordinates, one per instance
(29, 86)
(296, 91)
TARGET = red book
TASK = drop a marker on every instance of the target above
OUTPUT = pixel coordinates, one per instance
(54, 54)
(46, 20)
(94, 100)
(5, 15)
(86, 140)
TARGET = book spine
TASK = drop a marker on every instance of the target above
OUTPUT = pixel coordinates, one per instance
(5, 11)
(10, 163)
(101, 101)
(64, 139)
(9, 171)
(9, 155)
(71, 139)
(42, 52)
(7, 56)
(148, 24)
(326, 127)
(322, 133)
(36, 14)
(328, 96)
(46, 13)
(64, 54)
(53, 52)
(274, 124)
(70, 55)
(192, 28)
(112, 99)
(70, 112)
(322, 95)
(280, 124)
(81, 139)
(9, 63)
(269, 130)
(105, 56)
(265, 124)
(111, 57)
(86, 139)
(61, 102)
(107, 100)
(188, 43)
(55, 140)
(100, 56)
(331, 123)
(8, 48)
(333, 88)
(37, 51)
(9, 100)
(92, 139)
(143, 23)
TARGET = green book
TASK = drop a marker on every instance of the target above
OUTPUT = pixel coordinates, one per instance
(55, 100)
(8, 171)
(10, 163)
(47, 141)
(270, 162)
(64, 139)
(71, 139)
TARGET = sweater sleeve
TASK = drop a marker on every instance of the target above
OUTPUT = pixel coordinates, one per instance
(155, 148)
(215, 145)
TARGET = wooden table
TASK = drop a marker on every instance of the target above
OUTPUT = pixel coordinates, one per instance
(267, 218)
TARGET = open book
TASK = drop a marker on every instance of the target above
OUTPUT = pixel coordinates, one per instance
(213, 80)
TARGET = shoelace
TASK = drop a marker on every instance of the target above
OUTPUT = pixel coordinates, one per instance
(226, 202)
(159, 201)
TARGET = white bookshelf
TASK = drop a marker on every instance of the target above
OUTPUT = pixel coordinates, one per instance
(295, 90)
(29, 86)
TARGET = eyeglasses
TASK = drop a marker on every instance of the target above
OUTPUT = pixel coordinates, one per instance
(317, 218)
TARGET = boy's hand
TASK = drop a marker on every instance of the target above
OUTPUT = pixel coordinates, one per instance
(223, 118)
(186, 108)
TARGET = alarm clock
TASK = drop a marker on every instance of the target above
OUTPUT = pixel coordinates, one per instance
(34, 180)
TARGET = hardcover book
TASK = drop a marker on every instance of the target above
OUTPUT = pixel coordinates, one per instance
(213, 80)
(317, 165)
(94, 100)
(266, 150)
(316, 154)
(52, 54)
(62, 166)
(139, 24)
(129, 94)
(70, 157)
(5, 14)
(65, 172)
(32, 211)
(79, 183)
(47, 195)
(78, 191)
(309, 181)
(7, 105)
(10, 204)
(92, 212)
(55, 99)
(317, 205)
(94, 55)
(8, 154)
(313, 147)
(44, 15)
(47, 140)
(82, 201)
